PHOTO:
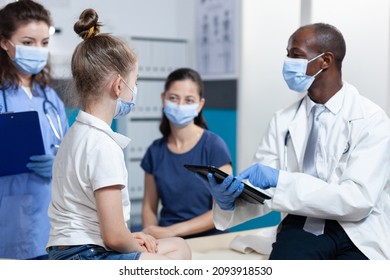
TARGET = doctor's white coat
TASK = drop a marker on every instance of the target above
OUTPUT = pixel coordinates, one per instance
(356, 191)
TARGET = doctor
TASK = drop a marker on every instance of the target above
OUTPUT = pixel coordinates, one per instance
(327, 173)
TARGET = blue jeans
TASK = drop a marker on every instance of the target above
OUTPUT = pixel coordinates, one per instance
(88, 252)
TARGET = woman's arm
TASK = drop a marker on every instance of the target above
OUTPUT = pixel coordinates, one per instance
(150, 202)
(195, 225)
(227, 168)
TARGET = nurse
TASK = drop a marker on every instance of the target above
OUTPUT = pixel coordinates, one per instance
(332, 181)
(24, 86)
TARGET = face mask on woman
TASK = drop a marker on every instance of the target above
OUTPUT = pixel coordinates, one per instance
(30, 59)
(180, 115)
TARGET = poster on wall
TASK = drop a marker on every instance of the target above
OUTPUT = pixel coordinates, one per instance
(215, 37)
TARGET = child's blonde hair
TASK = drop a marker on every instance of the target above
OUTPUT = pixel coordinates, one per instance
(98, 58)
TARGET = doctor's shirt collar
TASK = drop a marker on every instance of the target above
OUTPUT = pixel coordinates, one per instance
(333, 105)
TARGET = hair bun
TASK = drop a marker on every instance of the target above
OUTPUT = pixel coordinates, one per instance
(87, 26)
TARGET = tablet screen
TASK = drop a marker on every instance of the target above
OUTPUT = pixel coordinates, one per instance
(249, 193)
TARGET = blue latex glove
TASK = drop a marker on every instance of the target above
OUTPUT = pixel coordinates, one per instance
(260, 176)
(41, 165)
(225, 193)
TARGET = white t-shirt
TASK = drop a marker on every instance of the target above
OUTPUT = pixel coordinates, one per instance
(90, 157)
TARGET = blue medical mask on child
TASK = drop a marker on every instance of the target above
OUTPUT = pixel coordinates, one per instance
(294, 73)
(124, 107)
(180, 115)
(30, 59)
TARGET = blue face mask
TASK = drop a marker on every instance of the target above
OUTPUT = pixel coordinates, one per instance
(180, 115)
(124, 107)
(294, 73)
(29, 59)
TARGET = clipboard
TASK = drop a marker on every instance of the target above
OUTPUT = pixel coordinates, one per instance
(249, 193)
(20, 138)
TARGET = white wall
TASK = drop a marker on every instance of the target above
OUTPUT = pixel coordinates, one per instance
(146, 18)
(365, 26)
(266, 26)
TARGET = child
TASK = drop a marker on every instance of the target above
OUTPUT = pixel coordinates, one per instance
(90, 203)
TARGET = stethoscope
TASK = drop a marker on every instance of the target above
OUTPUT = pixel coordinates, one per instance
(287, 136)
(48, 108)
(285, 149)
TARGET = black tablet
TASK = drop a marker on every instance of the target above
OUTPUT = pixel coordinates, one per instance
(249, 193)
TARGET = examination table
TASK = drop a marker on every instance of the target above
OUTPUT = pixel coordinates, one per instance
(219, 247)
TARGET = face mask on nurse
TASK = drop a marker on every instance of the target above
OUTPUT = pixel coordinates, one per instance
(294, 73)
(180, 115)
(30, 59)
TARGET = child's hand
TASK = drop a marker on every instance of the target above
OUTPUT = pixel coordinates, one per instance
(147, 241)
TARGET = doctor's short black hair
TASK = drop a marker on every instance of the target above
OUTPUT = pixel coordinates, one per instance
(329, 39)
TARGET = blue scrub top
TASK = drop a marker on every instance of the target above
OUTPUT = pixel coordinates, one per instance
(24, 198)
(183, 195)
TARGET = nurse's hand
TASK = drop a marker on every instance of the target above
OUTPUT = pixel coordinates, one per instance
(41, 165)
(260, 176)
(225, 193)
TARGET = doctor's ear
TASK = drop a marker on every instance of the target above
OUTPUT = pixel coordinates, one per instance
(328, 59)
